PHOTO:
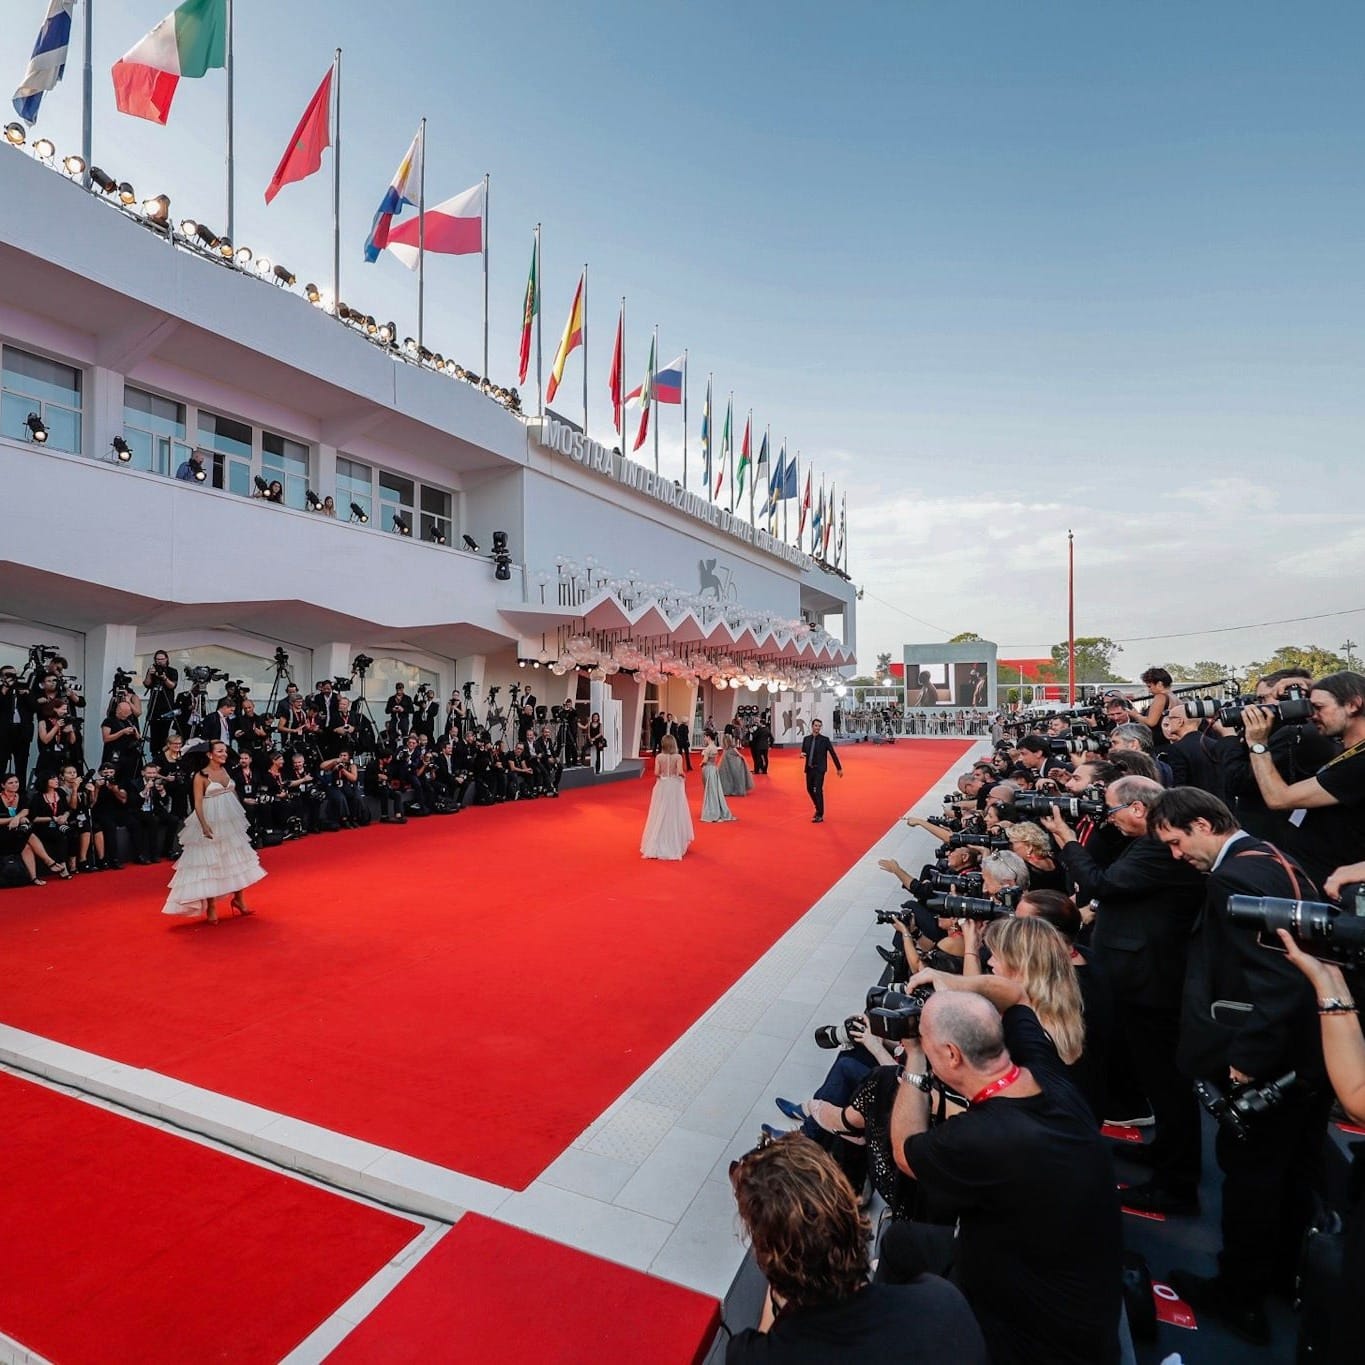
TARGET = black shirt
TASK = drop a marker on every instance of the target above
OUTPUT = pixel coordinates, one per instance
(1039, 1238)
(912, 1324)
(1331, 836)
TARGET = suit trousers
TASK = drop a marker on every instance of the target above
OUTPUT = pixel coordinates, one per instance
(760, 757)
(1177, 1147)
(15, 742)
(815, 787)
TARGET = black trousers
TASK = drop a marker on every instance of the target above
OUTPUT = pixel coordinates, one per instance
(1268, 1185)
(152, 831)
(815, 786)
(760, 757)
(1177, 1145)
(15, 742)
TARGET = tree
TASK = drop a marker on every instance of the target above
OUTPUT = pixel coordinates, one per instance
(883, 665)
(1094, 659)
(1205, 671)
(966, 637)
(1317, 661)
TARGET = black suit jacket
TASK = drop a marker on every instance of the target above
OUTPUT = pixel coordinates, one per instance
(1193, 762)
(1279, 1031)
(819, 753)
(1148, 904)
(681, 733)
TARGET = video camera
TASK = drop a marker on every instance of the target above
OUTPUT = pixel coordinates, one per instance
(977, 907)
(1238, 1109)
(202, 673)
(123, 680)
(1332, 933)
(341, 683)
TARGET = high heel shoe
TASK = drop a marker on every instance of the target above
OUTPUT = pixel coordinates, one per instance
(240, 908)
(56, 869)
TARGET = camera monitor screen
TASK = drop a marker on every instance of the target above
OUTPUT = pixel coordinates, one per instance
(945, 684)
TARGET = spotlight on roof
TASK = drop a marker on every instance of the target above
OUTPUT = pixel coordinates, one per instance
(225, 248)
(401, 526)
(103, 180)
(358, 513)
(15, 134)
(206, 237)
(37, 428)
(285, 276)
(385, 333)
(410, 345)
(242, 255)
(264, 265)
(314, 502)
(43, 149)
(122, 449)
(436, 537)
(470, 543)
(371, 326)
(73, 165)
(127, 195)
(312, 293)
(157, 210)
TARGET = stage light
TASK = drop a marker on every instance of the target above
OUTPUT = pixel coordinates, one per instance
(312, 293)
(15, 134)
(314, 502)
(400, 526)
(436, 537)
(410, 345)
(242, 255)
(157, 210)
(73, 165)
(127, 195)
(264, 265)
(371, 326)
(358, 513)
(122, 449)
(385, 332)
(37, 428)
(207, 237)
(285, 276)
(471, 544)
(200, 474)
(225, 248)
(521, 663)
(43, 149)
(104, 181)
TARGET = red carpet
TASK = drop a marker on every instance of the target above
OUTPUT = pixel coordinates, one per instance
(472, 990)
(124, 1242)
(488, 1294)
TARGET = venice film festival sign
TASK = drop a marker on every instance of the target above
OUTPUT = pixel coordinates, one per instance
(590, 454)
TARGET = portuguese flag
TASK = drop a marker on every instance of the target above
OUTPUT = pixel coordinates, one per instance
(187, 42)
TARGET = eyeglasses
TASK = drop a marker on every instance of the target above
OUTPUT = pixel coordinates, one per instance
(1114, 810)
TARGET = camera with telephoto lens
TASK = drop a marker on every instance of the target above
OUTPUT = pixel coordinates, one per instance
(892, 1015)
(1238, 1109)
(942, 822)
(972, 839)
(1331, 933)
(977, 907)
(1293, 708)
(1041, 803)
(891, 916)
(954, 797)
(831, 1036)
(960, 883)
(561, 713)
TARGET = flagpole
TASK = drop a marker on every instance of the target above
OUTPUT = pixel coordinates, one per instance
(540, 387)
(585, 354)
(768, 505)
(624, 372)
(87, 96)
(421, 235)
(748, 426)
(336, 178)
(684, 419)
(653, 400)
(784, 489)
(231, 225)
(730, 454)
(485, 275)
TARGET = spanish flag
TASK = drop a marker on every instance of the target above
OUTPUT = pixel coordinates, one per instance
(572, 338)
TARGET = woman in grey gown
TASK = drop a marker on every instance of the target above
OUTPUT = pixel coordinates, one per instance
(735, 777)
(713, 805)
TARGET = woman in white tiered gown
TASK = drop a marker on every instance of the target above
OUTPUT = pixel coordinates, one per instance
(218, 859)
(668, 828)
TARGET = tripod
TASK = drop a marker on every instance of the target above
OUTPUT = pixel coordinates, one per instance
(366, 731)
(283, 673)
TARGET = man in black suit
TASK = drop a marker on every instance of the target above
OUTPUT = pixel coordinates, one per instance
(1249, 1016)
(1147, 903)
(327, 704)
(16, 724)
(760, 742)
(222, 724)
(658, 728)
(683, 735)
(818, 752)
(1193, 752)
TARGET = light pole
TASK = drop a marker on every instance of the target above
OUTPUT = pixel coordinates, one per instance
(1350, 657)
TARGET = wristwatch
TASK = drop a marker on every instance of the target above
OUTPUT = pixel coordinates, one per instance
(1257, 749)
(1335, 1005)
(921, 1080)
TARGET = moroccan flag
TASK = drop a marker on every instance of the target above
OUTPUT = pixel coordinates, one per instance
(189, 41)
(725, 447)
(571, 340)
(706, 436)
(303, 156)
(646, 400)
(743, 457)
(805, 506)
(615, 380)
(529, 309)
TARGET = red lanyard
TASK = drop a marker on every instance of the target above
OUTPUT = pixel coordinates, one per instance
(996, 1086)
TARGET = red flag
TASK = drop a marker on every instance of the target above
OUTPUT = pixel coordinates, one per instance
(304, 153)
(805, 505)
(615, 380)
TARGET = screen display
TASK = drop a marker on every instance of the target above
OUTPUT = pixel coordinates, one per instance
(945, 684)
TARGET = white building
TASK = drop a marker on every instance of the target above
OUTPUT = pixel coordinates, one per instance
(111, 329)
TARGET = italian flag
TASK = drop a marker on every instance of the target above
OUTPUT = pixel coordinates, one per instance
(187, 42)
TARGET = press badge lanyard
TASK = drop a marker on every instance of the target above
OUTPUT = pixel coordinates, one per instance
(996, 1086)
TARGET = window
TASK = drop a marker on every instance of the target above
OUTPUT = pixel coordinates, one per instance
(435, 516)
(286, 461)
(397, 498)
(228, 444)
(32, 383)
(355, 485)
(154, 428)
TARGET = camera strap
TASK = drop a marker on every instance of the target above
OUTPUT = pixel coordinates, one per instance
(1357, 748)
(1290, 871)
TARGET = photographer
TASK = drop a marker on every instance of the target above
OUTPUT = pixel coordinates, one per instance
(1332, 830)
(1192, 752)
(78, 805)
(1134, 738)
(326, 705)
(286, 703)
(1024, 1170)
(250, 733)
(298, 727)
(809, 1239)
(1146, 904)
(1158, 683)
(545, 753)
(151, 823)
(344, 807)
(122, 742)
(159, 681)
(301, 784)
(454, 723)
(1035, 756)
(17, 839)
(426, 712)
(1249, 1018)
(50, 813)
(57, 740)
(108, 799)
(1030, 843)
(220, 726)
(400, 710)
(16, 722)
(190, 710)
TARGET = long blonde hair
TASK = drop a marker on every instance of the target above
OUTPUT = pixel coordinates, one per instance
(1039, 958)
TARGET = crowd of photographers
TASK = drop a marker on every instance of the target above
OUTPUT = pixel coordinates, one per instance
(1134, 911)
(302, 764)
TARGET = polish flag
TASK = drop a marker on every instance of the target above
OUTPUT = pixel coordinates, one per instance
(454, 228)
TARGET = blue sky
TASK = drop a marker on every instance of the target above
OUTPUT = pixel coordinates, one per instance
(1001, 269)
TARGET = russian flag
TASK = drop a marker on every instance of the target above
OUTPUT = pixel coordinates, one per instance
(667, 385)
(403, 190)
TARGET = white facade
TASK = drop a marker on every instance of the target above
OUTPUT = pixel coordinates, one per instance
(171, 352)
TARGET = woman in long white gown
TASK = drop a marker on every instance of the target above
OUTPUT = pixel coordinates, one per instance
(218, 859)
(714, 807)
(735, 777)
(668, 827)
